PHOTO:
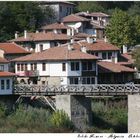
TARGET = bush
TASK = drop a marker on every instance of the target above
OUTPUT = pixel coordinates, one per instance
(60, 119)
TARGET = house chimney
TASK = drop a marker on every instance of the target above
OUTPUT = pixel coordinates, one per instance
(124, 49)
(70, 47)
(2, 53)
(16, 35)
(72, 40)
(83, 49)
(25, 34)
(55, 31)
(105, 39)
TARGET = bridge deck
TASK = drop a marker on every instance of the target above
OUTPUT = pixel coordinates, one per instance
(89, 90)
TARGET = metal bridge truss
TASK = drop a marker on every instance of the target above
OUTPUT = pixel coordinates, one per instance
(89, 90)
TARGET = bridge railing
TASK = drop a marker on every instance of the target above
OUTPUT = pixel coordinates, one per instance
(97, 89)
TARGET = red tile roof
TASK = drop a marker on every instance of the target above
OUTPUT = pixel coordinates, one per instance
(129, 59)
(12, 48)
(74, 18)
(55, 26)
(96, 46)
(42, 37)
(57, 54)
(3, 60)
(113, 67)
(99, 14)
(6, 74)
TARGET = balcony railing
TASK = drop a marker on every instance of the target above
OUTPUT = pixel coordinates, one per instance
(29, 73)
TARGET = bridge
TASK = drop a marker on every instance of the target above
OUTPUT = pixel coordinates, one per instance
(75, 100)
(86, 90)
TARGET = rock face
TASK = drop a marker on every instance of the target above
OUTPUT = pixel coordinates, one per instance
(133, 113)
(78, 109)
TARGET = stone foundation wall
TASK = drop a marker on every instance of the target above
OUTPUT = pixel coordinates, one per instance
(133, 113)
(78, 109)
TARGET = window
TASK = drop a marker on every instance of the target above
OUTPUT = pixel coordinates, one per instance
(25, 67)
(60, 8)
(96, 53)
(22, 67)
(41, 47)
(87, 66)
(88, 80)
(2, 84)
(43, 82)
(63, 66)
(8, 84)
(109, 55)
(18, 67)
(104, 56)
(94, 18)
(43, 66)
(1, 67)
(74, 80)
(74, 66)
(70, 10)
(34, 66)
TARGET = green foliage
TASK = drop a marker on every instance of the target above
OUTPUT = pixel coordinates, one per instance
(102, 6)
(134, 9)
(29, 119)
(89, 6)
(60, 119)
(121, 29)
(136, 57)
(108, 120)
(18, 16)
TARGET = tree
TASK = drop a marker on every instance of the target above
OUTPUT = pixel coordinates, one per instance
(136, 57)
(134, 9)
(136, 20)
(89, 6)
(18, 16)
(121, 29)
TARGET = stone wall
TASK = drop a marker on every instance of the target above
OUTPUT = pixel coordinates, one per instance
(78, 109)
(133, 113)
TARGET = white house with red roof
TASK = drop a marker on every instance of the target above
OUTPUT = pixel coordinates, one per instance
(98, 21)
(58, 28)
(79, 23)
(104, 50)
(6, 77)
(12, 50)
(57, 66)
(39, 41)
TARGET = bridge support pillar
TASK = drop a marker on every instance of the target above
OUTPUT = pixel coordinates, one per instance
(78, 109)
(133, 113)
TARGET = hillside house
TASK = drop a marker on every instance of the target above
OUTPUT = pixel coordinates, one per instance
(80, 24)
(57, 66)
(37, 42)
(6, 77)
(12, 50)
(98, 21)
(58, 28)
(110, 70)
